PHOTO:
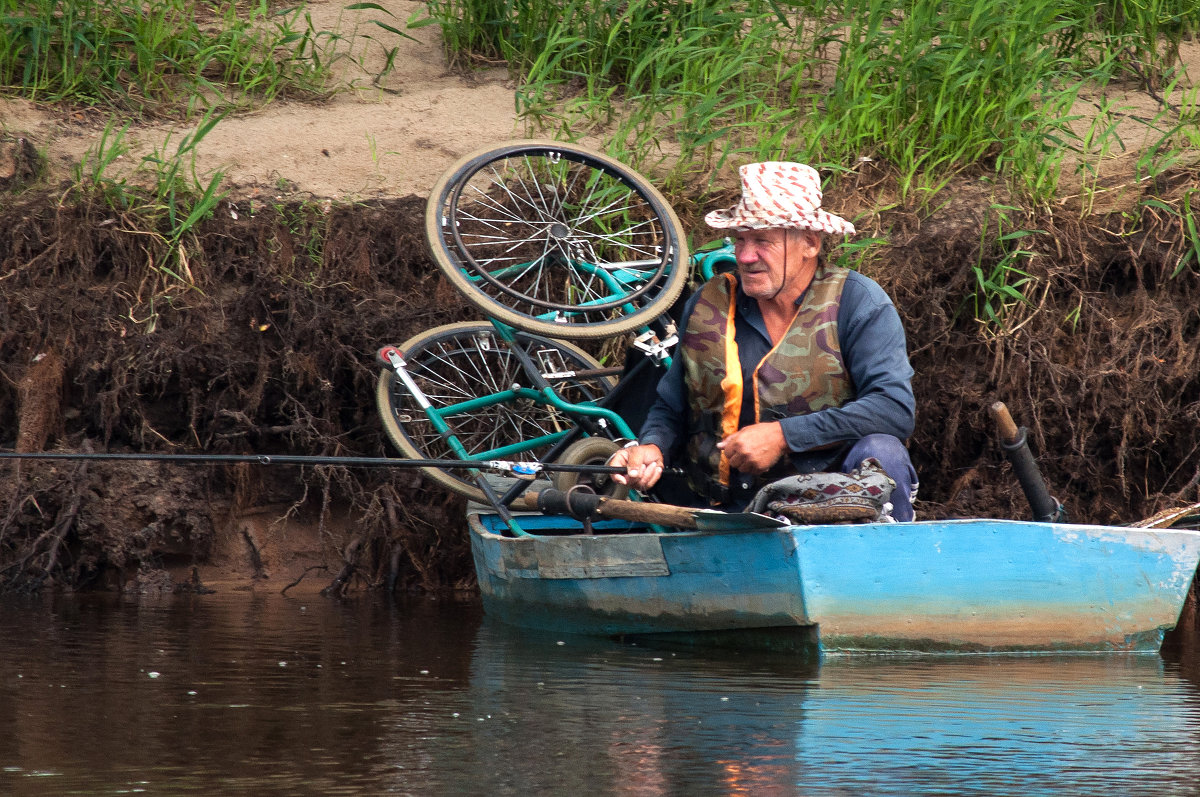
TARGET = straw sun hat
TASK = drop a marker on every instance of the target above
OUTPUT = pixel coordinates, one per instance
(779, 194)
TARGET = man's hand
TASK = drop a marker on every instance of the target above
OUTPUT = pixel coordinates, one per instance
(643, 466)
(755, 448)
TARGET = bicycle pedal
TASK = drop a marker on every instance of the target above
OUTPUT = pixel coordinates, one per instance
(390, 356)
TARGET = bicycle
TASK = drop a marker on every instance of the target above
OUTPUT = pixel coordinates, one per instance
(504, 388)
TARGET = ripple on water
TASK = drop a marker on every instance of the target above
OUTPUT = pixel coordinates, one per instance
(267, 695)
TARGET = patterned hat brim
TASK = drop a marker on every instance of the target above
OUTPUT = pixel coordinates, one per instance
(737, 218)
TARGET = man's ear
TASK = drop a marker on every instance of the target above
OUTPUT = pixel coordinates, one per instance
(810, 241)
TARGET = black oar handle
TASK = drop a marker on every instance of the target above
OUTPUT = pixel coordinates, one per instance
(1013, 440)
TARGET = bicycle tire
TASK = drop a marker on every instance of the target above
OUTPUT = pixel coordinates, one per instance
(589, 451)
(468, 360)
(593, 219)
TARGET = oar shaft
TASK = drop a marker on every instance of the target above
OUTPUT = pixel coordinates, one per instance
(555, 502)
(645, 512)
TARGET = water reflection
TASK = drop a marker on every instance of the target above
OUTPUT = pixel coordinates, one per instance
(953, 725)
(219, 694)
(245, 693)
(996, 726)
(645, 720)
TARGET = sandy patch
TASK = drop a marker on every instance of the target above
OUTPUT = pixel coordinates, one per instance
(390, 139)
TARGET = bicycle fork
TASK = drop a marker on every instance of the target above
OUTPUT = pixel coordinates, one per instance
(394, 359)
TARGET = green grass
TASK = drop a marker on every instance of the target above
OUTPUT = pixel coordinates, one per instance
(164, 199)
(1002, 282)
(929, 87)
(161, 55)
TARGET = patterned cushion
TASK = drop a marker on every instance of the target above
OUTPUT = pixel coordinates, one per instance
(860, 496)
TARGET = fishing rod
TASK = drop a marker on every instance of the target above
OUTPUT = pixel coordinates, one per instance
(519, 469)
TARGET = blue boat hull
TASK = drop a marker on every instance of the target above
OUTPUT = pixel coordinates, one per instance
(966, 585)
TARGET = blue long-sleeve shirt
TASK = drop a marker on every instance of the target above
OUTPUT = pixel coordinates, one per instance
(873, 349)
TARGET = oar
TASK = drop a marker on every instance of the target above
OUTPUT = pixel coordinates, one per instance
(525, 470)
(1016, 448)
(1168, 518)
(580, 505)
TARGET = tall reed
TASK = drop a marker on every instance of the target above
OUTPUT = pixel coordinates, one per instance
(929, 87)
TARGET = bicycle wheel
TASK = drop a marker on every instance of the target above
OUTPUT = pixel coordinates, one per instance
(556, 239)
(463, 362)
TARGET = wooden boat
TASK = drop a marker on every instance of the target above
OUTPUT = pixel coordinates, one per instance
(938, 586)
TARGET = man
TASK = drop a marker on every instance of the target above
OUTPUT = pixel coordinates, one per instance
(789, 366)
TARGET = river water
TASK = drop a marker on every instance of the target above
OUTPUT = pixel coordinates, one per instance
(265, 694)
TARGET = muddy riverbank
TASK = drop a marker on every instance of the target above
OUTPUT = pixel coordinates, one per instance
(265, 345)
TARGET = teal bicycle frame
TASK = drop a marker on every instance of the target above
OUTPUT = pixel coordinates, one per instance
(617, 281)
(544, 394)
(590, 414)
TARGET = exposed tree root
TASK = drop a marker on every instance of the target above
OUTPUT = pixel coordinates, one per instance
(256, 557)
(301, 577)
(40, 395)
(337, 588)
(38, 561)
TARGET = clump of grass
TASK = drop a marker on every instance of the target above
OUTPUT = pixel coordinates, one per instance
(981, 89)
(95, 171)
(140, 56)
(1144, 35)
(1187, 218)
(702, 74)
(166, 197)
(1184, 214)
(1002, 278)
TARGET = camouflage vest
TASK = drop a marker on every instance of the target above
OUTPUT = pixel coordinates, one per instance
(802, 373)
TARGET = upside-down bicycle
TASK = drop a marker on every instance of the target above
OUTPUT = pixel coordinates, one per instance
(553, 243)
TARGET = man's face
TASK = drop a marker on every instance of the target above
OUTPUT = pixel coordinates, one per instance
(767, 259)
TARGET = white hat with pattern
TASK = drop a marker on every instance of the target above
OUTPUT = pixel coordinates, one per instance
(779, 194)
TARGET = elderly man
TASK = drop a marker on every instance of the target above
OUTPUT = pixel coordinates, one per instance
(789, 366)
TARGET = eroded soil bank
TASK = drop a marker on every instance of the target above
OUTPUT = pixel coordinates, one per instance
(266, 346)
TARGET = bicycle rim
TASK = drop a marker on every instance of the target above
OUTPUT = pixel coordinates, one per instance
(462, 362)
(557, 239)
